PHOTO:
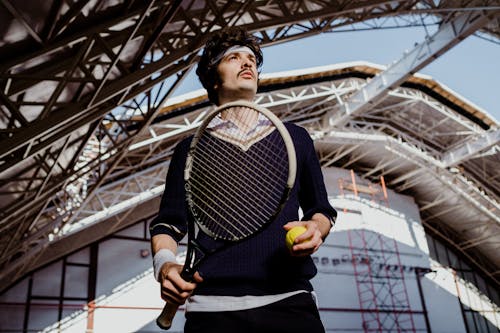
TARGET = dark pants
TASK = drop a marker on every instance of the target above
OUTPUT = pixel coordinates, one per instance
(295, 314)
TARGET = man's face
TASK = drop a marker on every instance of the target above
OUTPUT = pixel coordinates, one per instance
(238, 77)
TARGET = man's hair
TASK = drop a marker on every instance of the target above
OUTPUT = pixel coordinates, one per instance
(218, 43)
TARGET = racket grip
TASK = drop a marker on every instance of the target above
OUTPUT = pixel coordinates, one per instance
(164, 320)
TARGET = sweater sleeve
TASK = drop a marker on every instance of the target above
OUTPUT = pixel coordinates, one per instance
(172, 215)
(313, 197)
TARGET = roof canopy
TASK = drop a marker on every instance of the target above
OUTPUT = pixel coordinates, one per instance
(85, 135)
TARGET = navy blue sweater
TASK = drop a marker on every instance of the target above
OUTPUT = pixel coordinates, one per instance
(261, 264)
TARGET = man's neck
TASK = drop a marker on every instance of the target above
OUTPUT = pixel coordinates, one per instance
(225, 100)
(243, 117)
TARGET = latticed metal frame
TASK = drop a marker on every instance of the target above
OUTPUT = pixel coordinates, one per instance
(82, 84)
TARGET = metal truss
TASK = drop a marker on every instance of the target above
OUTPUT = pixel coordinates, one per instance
(87, 71)
(119, 197)
(411, 166)
(469, 149)
(82, 84)
(449, 34)
(458, 184)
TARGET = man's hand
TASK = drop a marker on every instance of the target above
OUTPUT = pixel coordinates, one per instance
(173, 287)
(310, 241)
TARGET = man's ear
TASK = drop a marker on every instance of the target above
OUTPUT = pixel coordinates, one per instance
(217, 83)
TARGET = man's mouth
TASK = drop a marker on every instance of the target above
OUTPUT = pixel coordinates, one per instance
(246, 74)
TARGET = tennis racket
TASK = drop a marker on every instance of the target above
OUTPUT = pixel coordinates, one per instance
(239, 172)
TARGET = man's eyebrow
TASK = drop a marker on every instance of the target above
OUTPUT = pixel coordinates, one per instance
(251, 55)
(233, 53)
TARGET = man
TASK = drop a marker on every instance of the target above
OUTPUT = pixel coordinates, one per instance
(256, 285)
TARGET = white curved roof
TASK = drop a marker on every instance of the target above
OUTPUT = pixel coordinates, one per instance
(79, 136)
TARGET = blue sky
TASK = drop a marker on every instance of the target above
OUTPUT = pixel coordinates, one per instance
(471, 68)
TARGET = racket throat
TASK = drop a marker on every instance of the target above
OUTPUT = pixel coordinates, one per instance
(193, 258)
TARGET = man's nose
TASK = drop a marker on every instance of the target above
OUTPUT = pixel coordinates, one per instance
(246, 62)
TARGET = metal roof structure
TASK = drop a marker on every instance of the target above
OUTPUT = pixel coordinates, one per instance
(87, 133)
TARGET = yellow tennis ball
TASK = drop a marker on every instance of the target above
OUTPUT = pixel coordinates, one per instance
(292, 234)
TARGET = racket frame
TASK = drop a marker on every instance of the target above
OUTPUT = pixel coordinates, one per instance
(191, 261)
(195, 252)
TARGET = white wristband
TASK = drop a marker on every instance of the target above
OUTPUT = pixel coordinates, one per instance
(160, 258)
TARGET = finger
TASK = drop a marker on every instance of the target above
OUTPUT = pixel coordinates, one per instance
(301, 250)
(301, 253)
(179, 283)
(197, 277)
(173, 281)
(304, 237)
(292, 224)
(171, 294)
(311, 230)
(311, 244)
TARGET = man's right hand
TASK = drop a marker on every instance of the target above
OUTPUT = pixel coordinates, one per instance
(173, 287)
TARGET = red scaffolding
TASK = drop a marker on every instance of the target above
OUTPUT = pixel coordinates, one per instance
(379, 274)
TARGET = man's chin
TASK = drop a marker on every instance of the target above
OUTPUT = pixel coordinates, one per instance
(250, 87)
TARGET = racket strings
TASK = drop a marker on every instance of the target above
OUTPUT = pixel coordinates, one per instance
(276, 170)
(207, 194)
(226, 176)
(235, 192)
(227, 228)
(248, 219)
(277, 167)
(255, 156)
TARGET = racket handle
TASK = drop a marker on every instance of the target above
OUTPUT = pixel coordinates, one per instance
(164, 320)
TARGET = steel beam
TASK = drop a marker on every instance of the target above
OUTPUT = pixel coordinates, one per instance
(23, 139)
(449, 34)
(472, 147)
